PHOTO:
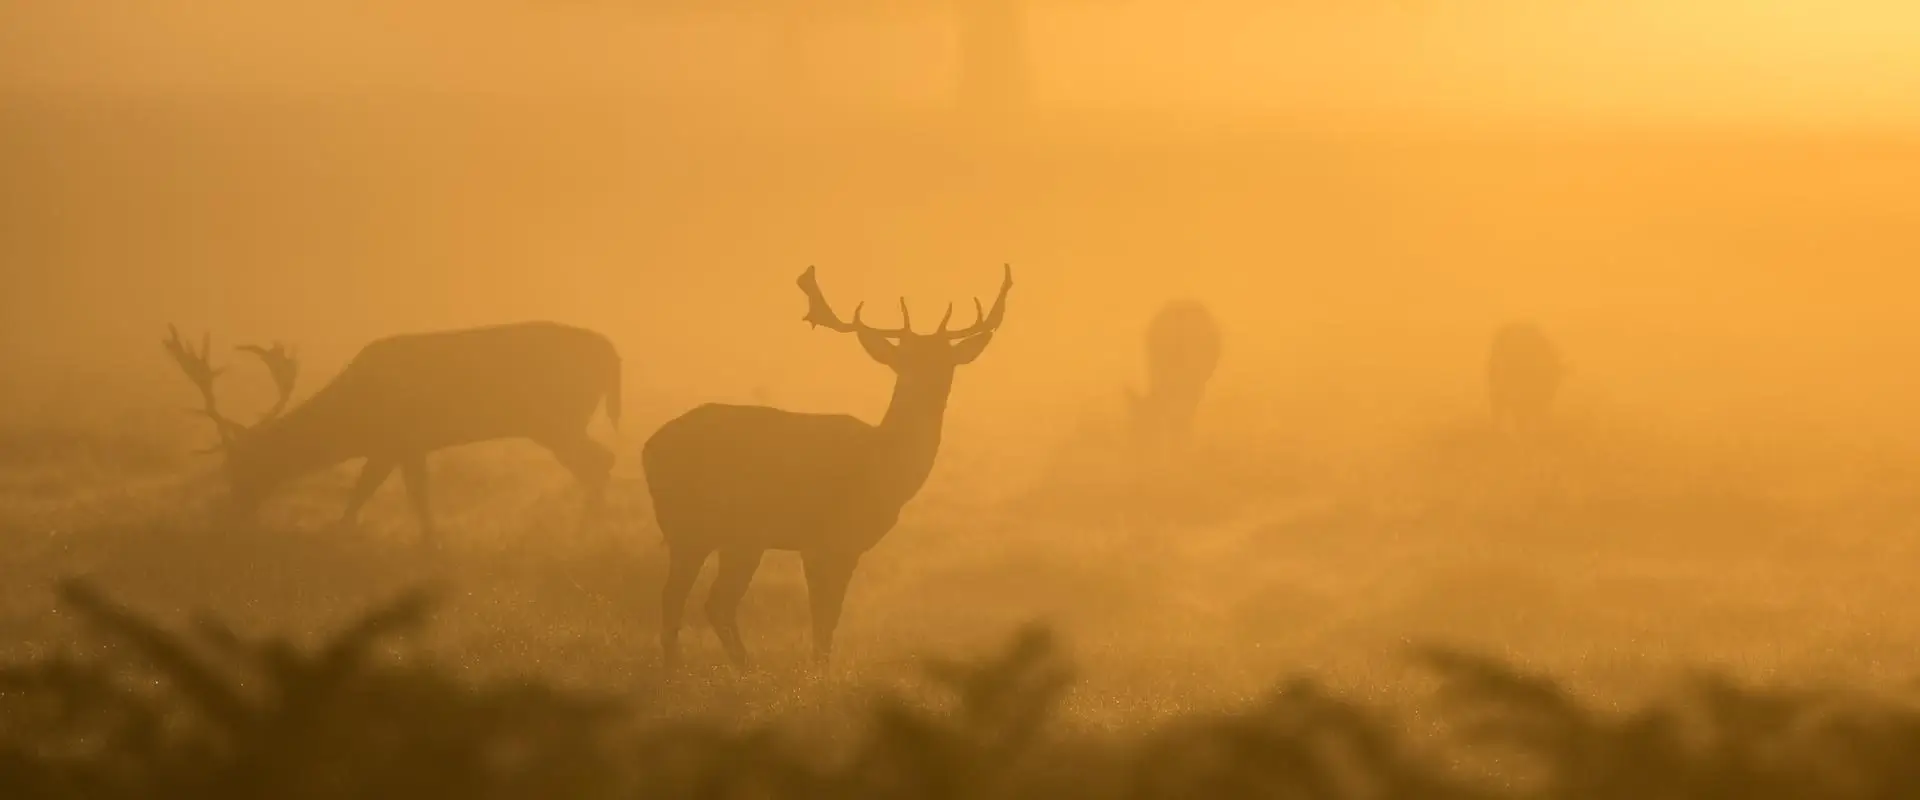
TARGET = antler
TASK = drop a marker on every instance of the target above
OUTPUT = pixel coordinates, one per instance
(820, 313)
(200, 370)
(984, 321)
(284, 368)
(198, 366)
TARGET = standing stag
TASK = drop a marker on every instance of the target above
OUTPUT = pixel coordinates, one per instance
(405, 396)
(743, 480)
(1523, 376)
(1183, 350)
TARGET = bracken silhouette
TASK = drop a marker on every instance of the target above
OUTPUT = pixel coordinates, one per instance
(215, 715)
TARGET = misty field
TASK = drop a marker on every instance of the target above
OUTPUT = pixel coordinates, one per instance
(1342, 589)
(1615, 559)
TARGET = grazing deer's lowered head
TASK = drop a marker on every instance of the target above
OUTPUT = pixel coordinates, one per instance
(1183, 351)
(252, 471)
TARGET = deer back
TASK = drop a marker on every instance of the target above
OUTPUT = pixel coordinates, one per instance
(443, 388)
(760, 471)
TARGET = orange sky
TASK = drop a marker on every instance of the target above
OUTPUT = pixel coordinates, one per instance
(1796, 60)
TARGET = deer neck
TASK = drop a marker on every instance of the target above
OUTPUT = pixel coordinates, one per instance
(910, 435)
(290, 446)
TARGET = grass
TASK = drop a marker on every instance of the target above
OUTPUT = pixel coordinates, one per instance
(1248, 617)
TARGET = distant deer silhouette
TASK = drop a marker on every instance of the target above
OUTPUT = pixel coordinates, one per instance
(1183, 350)
(404, 396)
(1524, 373)
(743, 480)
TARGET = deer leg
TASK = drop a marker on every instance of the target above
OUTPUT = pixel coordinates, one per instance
(683, 565)
(372, 474)
(723, 600)
(827, 577)
(413, 471)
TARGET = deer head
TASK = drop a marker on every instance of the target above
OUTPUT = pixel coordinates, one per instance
(913, 356)
(234, 436)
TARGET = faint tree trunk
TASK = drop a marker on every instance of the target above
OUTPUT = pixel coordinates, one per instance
(787, 57)
(995, 80)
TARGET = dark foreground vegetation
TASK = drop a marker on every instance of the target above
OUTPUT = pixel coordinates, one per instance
(206, 713)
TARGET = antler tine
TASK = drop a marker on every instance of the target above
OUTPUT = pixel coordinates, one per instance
(200, 370)
(820, 313)
(988, 321)
(284, 367)
(948, 318)
(195, 364)
(906, 318)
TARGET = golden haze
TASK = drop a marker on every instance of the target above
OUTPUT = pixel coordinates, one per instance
(1709, 205)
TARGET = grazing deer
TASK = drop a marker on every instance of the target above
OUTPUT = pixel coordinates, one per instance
(1523, 376)
(404, 396)
(1183, 350)
(742, 480)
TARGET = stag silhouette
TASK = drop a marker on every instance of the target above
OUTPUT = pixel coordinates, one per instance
(405, 396)
(742, 480)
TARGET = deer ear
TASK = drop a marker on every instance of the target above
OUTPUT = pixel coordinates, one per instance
(969, 349)
(877, 347)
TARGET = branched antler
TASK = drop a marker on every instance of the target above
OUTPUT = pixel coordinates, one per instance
(198, 366)
(820, 314)
(285, 369)
(200, 370)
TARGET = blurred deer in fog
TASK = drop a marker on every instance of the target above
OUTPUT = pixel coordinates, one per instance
(405, 396)
(1183, 350)
(742, 480)
(1523, 376)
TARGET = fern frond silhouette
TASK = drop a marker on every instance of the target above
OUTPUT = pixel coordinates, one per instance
(211, 713)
